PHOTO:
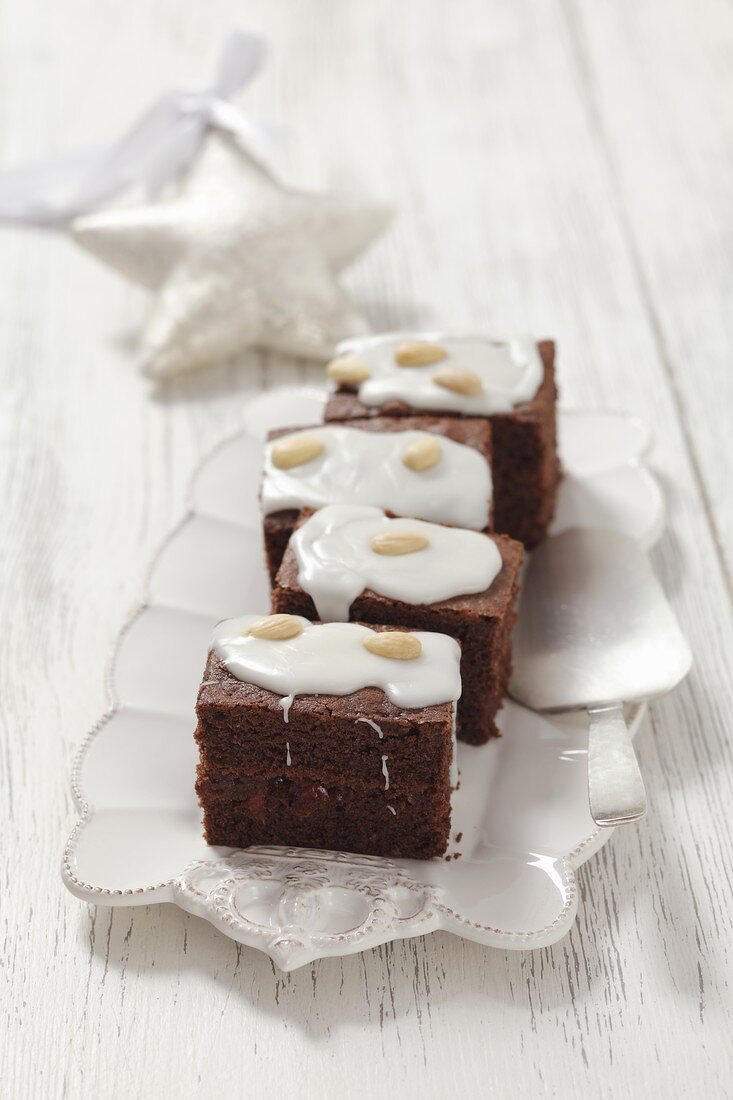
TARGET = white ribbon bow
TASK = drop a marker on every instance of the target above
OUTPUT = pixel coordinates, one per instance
(157, 149)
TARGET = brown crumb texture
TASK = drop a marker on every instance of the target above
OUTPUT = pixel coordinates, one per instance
(481, 622)
(470, 431)
(525, 466)
(324, 779)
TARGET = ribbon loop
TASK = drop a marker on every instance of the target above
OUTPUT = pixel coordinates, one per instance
(154, 152)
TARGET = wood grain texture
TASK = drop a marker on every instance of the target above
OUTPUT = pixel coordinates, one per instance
(558, 167)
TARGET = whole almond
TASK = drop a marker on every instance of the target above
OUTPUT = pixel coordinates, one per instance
(392, 543)
(419, 353)
(458, 380)
(422, 453)
(275, 628)
(296, 450)
(348, 370)
(394, 644)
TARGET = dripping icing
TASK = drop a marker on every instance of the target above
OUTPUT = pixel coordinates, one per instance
(365, 467)
(331, 659)
(511, 372)
(375, 726)
(336, 562)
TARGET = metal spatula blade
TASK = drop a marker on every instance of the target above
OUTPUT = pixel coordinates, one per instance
(595, 631)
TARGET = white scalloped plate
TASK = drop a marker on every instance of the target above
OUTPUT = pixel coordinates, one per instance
(521, 822)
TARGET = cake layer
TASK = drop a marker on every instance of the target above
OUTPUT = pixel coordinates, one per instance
(306, 814)
(248, 736)
(525, 465)
(224, 787)
(428, 493)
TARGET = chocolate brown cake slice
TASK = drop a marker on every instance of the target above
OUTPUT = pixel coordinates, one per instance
(512, 383)
(332, 736)
(351, 562)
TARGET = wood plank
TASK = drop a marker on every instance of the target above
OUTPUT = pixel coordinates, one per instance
(658, 92)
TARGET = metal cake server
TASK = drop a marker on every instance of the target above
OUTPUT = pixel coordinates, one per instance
(595, 631)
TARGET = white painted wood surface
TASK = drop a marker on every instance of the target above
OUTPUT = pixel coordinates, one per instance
(560, 167)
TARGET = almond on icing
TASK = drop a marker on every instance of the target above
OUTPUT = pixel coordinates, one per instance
(399, 542)
(394, 644)
(422, 454)
(459, 380)
(419, 353)
(348, 370)
(276, 628)
(296, 450)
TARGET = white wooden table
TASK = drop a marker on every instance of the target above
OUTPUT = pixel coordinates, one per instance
(559, 167)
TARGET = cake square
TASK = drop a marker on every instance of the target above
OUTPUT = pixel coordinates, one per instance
(326, 767)
(405, 465)
(521, 408)
(352, 562)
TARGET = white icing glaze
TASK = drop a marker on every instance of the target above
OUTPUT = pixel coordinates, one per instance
(511, 372)
(330, 659)
(385, 772)
(336, 562)
(362, 467)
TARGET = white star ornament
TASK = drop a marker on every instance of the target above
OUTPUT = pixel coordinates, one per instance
(236, 260)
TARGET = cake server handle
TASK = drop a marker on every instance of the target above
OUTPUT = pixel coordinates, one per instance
(615, 787)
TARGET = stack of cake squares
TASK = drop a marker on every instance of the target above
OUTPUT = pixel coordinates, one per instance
(394, 536)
